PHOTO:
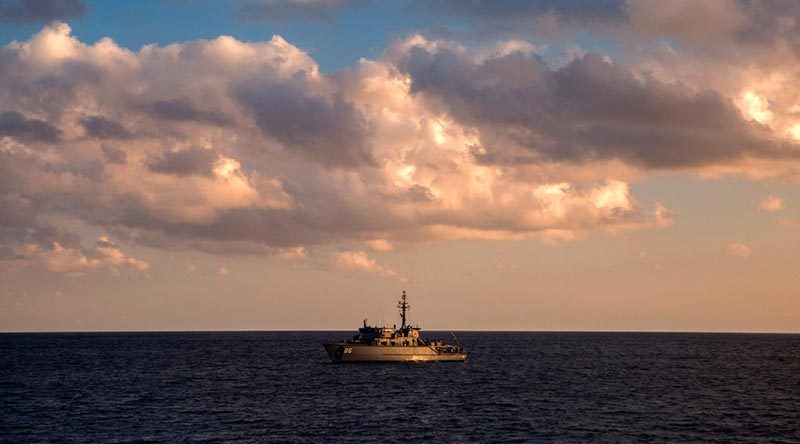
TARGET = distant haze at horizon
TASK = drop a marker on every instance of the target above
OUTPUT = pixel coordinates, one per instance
(521, 166)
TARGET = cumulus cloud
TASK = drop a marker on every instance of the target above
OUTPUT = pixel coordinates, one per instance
(53, 250)
(591, 109)
(738, 250)
(771, 204)
(360, 261)
(261, 153)
(247, 147)
(744, 52)
(40, 11)
(326, 129)
(111, 254)
(762, 23)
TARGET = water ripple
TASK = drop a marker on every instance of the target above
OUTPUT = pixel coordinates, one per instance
(516, 387)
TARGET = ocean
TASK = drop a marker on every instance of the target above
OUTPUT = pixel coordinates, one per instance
(515, 387)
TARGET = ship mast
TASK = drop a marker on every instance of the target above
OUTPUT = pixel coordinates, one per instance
(403, 306)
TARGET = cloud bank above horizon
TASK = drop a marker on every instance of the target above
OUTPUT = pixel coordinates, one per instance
(233, 147)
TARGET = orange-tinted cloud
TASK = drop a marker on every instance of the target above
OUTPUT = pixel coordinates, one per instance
(771, 204)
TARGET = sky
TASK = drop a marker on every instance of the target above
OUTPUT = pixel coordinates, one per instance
(620, 165)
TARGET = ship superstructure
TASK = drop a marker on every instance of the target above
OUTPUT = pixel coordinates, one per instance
(392, 344)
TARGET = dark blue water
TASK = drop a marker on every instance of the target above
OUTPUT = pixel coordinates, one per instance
(277, 386)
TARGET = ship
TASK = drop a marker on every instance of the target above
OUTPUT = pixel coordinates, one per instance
(392, 344)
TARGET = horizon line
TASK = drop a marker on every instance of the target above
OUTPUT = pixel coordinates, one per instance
(431, 330)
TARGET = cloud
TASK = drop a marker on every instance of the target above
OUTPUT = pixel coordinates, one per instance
(527, 9)
(771, 204)
(19, 127)
(360, 261)
(247, 148)
(102, 128)
(380, 245)
(111, 254)
(541, 18)
(291, 254)
(725, 22)
(52, 250)
(685, 18)
(185, 162)
(184, 110)
(738, 250)
(16, 211)
(284, 11)
(40, 11)
(114, 155)
(325, 129)
(591, 109)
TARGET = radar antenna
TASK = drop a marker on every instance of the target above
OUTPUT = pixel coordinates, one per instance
(403, 306)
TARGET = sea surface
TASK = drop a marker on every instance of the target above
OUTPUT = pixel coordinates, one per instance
(515, 387)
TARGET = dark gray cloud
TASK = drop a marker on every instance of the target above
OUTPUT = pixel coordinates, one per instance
(186, 162)
(40, 11)
(16, 211)
(17, 214)
(102, 128)
(328, 130)
(771, 21)
(19, 127)
(106, 244)
(324, 219)
(541, 18)
(29, 232)
(526, 9)
(284, 11)
(184, 110)
(419, 193)
(47, 235)
(114, 155)
(591, 109)
(763, 23)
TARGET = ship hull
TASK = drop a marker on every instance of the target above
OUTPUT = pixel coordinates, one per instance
(343, 352)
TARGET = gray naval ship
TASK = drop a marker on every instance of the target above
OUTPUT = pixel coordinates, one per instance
(391, 344)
